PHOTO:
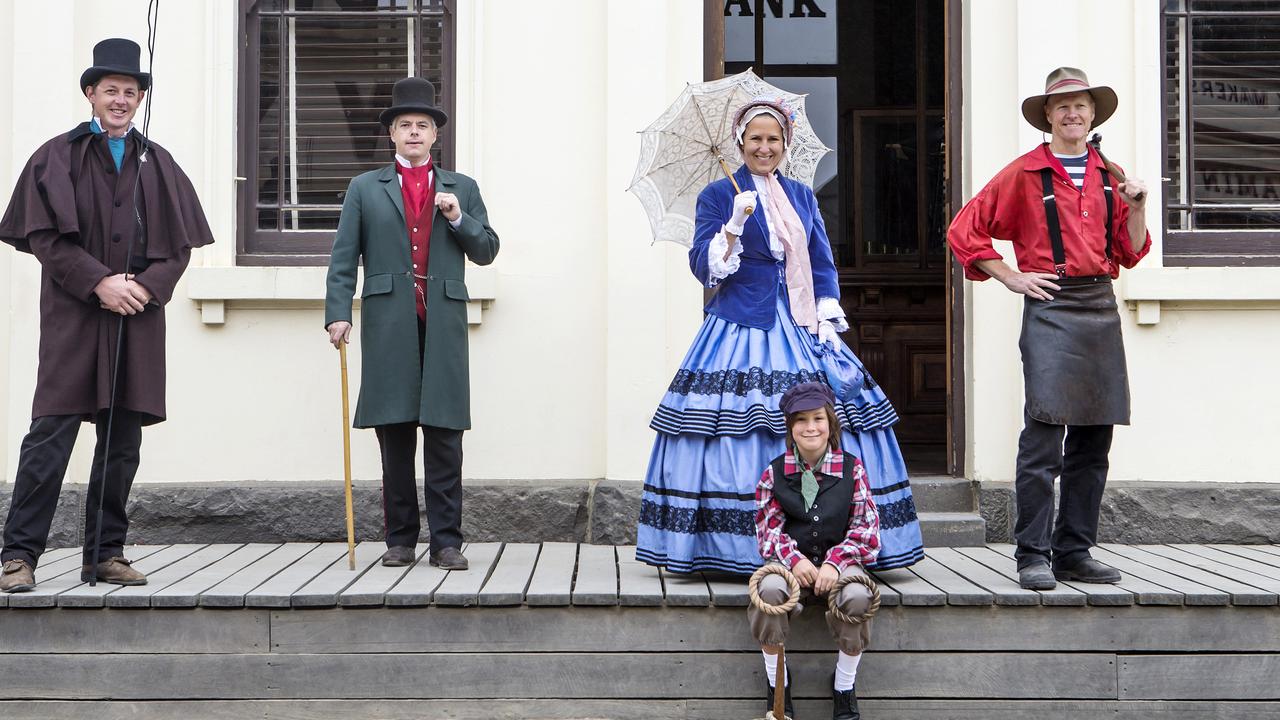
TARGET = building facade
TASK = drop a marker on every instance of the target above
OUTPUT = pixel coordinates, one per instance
(577, 328)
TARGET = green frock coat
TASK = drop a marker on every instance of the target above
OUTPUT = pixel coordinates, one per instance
(394, 386)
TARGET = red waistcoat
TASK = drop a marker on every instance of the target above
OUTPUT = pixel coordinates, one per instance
(417, 189)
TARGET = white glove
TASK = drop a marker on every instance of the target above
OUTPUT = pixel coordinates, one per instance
(827, 334)
(744, 203)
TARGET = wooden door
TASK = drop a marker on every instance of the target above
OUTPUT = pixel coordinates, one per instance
(875, 74)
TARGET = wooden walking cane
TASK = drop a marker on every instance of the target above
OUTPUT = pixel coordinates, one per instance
(753, 593)
(346, 460)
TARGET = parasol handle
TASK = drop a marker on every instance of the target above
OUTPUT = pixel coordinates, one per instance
(737, 190)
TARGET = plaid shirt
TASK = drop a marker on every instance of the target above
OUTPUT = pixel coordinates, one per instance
(862, 541)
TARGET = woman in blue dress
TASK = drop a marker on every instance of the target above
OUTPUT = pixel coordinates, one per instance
(772, 323)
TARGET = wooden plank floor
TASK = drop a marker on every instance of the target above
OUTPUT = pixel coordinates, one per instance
(565, 575)
(291, 631)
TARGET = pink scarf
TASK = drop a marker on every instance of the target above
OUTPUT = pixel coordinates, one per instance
(790, 231)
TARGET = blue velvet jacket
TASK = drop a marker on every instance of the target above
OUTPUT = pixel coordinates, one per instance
(749, 296)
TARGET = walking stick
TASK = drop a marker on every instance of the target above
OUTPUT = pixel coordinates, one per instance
(346, 460)
(153, 18)
(753, 592)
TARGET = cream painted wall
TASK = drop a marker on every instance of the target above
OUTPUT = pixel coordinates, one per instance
(1203, 392)
(654, 301)
(589, 321)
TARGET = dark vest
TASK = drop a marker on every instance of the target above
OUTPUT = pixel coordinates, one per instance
(819, 528)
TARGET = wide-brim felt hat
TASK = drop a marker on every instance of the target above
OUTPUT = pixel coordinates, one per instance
(116, 56)
(1069, 80)
(413, 95)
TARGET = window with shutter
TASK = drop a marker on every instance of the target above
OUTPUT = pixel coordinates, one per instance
(1222, 132)
(315, 75)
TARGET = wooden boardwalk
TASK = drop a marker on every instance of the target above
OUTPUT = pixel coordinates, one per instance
(559, 630)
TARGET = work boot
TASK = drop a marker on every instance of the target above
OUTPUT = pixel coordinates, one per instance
(449, 559)
(845, 704)
(17, 576)
(786, 700)
(115, 571)
(399, 556)
(1088, 570)
(1037, 576)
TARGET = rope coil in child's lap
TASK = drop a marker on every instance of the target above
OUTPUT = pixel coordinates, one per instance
(833, 595)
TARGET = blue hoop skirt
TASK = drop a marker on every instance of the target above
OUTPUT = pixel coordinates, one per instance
(719, 426)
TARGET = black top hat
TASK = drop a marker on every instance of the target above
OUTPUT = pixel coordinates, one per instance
(116, 56)
(413, 95)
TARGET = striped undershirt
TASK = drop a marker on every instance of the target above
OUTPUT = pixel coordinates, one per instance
(1075, 167)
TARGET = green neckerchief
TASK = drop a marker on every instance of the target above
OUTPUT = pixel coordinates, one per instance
(808, 481)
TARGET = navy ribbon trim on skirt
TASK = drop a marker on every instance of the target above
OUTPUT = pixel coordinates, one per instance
(750, 497)
(740, 422)
(708, 494)
(697, 520)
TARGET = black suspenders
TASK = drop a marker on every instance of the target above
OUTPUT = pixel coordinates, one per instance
(1055, 229)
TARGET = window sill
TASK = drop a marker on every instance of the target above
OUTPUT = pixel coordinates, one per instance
(217, 289)
(1216, 288)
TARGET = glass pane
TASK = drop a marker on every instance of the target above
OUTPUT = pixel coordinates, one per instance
(935, 53)
(886, 169)
(739, 31)
(342, 77)
(268, 177)
(1236, 139)
(935, 197)
(821, 110)
(882, 35)
(1235, 5)
(1175, 118)
(1244, 219)
(310, 218)
(800, 32)
(333, 6)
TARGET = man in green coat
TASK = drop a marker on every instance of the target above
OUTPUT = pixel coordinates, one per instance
(412, 224)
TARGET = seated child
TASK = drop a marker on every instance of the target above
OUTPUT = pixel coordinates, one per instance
(816, 516)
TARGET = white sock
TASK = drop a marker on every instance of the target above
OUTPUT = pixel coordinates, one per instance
(846, 670)
(771, 670)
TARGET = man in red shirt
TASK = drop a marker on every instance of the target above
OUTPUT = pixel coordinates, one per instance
(1072, 232)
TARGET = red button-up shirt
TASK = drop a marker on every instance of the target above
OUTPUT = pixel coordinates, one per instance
(861, 544)
(1011, 207)
(417, 189)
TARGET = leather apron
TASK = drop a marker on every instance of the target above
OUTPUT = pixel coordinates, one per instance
(1073, 362)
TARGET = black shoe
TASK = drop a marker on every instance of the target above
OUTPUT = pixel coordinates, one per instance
(449, 559)
(786, 700)
(845, 704)
(1088, 570)
(1037, 576)
(399, 556)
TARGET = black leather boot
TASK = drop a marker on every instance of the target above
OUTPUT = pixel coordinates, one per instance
(786, 700)
(845, 704)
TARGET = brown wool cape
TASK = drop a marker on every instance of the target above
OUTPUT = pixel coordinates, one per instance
(74, 211)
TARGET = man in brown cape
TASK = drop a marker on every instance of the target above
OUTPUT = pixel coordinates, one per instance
(112, 220)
